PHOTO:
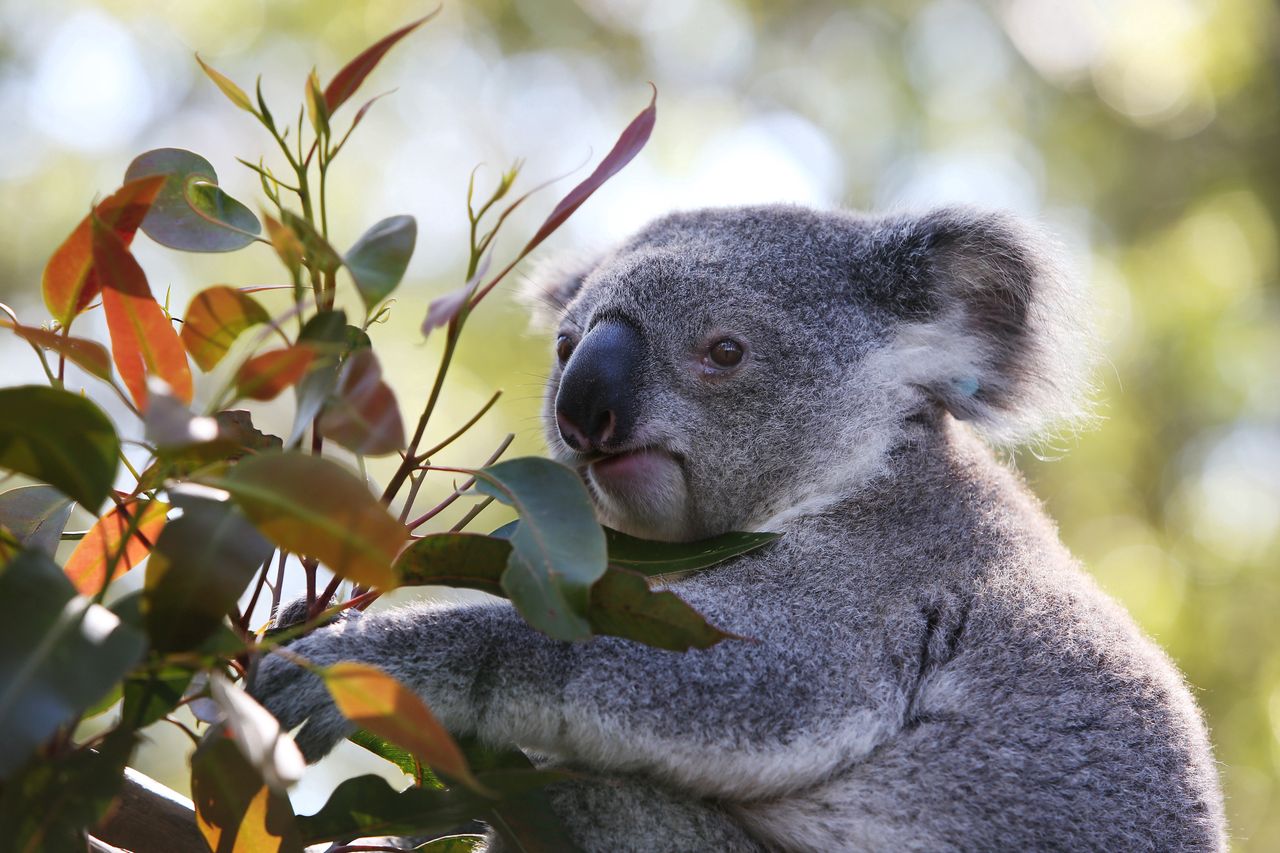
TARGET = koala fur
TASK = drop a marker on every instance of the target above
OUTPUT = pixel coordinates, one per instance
(927, 667)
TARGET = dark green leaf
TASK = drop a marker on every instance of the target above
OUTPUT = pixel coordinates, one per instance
(60, 438)
(234, 807)
(191, 213)
(36, 515)
(525, 819)
(318, 251)
(201, 564)
(379, 258)
(151, 694)
(558, 551)
(47, 807)
(367, 805)
(59, 653)
(661, 558)
(467, 560)
(622, 604)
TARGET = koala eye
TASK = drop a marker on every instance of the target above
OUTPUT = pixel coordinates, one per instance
(726, 352)
(564, 348)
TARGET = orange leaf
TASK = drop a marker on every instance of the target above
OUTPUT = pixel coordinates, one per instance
(70, 281)
(143, 341)
(374, 700)
(88, 562)
(264, 376)
(90, 355)
(214, 320)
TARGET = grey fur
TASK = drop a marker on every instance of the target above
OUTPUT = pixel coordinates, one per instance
(928, 668)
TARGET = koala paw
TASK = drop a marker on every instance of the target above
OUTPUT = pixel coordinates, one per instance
(296, 697)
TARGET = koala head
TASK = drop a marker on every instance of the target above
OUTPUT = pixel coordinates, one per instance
(728, 368)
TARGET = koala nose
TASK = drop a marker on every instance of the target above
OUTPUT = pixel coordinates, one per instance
(596, 404)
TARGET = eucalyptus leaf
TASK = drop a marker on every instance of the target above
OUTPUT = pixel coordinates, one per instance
(36, 515)
(192, 213)
(379, 258)
(60, 438)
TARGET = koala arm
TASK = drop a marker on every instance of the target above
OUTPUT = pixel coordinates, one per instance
(746, 718)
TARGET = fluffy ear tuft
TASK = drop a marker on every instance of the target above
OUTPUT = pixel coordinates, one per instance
(1002, 337)
(553, 283)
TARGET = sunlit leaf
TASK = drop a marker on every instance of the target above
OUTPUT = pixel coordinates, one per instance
(376, 701)
(61, 439)
(235, 810)
(87, 565)
(629, 143)
(202, 563)
(191, 213)
(143, 341)
(90, 355)
(345, 83)
(467, 560)
(313, 506)
(362, 414)
(558, 551)
(233, 92)
(264, 376)
(215, 318)
(317, 109)
(35, 515)
(70, 283)
(396, 755)
(258, 734)
(59, 653)
(379, 258)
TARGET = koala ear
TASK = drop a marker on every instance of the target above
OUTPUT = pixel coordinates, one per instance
(995, 331)
(553, 283)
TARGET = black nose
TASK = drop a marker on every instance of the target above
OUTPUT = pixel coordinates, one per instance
(596, 404)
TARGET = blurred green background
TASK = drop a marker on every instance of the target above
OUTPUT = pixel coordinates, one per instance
(1145, 133)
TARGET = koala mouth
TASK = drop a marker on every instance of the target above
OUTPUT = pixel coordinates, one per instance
(631, 470)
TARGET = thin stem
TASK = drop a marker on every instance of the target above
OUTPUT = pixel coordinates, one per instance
(325, 597)
(461, 430)
(279, 585)
(257, 590)
(471, 515)
(415, 483)
(408, 464)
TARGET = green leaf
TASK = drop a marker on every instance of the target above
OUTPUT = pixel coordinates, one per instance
(402, 758)
(452, 844)
(36, 515)
(662, 558)
(59, 653)
(313, 506)
(47, 807)
(467, 560)
(191, 213)
(558, 551)
(151, 694)
(202, 562)
(60, 438)
(235, 810)
(622, 604)
(367, 805)
(379, 258)
(233, 92)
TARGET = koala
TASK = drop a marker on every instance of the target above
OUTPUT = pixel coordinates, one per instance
(924, 666)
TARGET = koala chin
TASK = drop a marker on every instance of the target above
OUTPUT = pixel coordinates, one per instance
(925, 666)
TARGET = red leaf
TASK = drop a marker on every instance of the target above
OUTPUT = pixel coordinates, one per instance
(364, 416)
(633, 138)
(70, 282)
(88, 562)
(345, 82)
(143, 341)
(264, 376)
(214, 320)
